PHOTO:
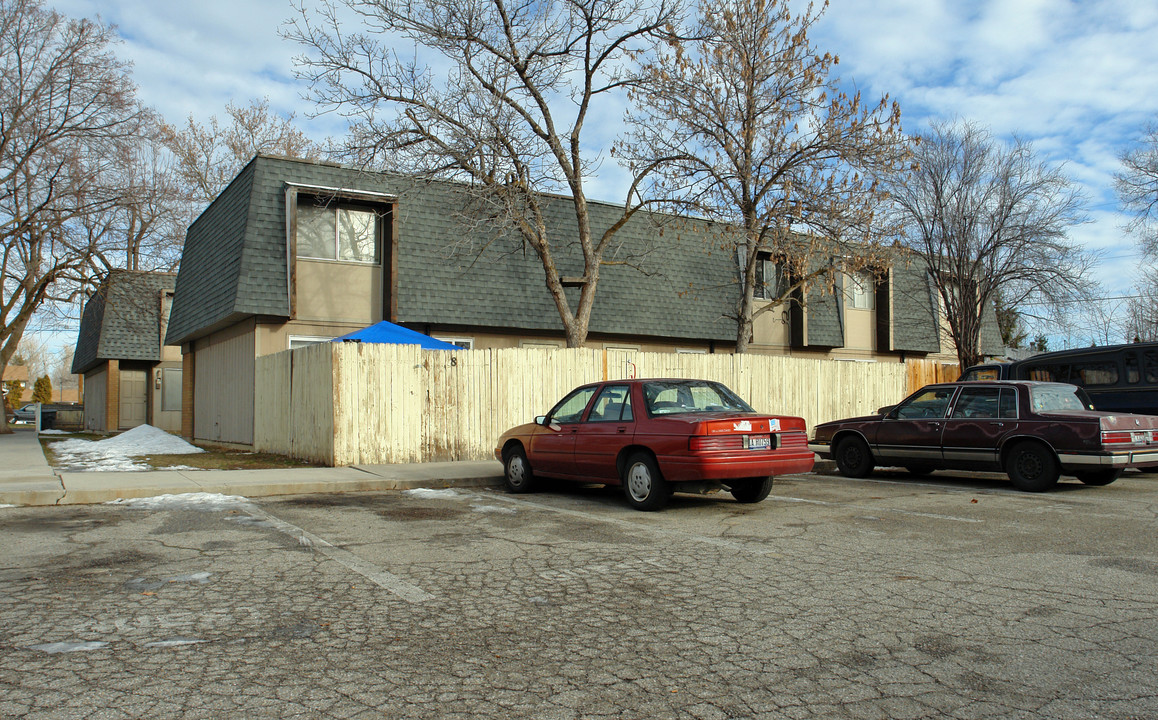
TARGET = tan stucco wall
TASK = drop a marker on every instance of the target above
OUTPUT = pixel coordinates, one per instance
(339, 292)
(167, 420)
(770, 329)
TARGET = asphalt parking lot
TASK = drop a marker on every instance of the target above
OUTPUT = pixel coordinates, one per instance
(892, 597)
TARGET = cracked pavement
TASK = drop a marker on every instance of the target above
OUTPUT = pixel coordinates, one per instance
(945, 597)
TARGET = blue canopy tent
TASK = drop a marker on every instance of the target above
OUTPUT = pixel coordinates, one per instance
(388, 332)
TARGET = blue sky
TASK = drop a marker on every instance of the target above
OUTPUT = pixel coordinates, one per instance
(1077, 79)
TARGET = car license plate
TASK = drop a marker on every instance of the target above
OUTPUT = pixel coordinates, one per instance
(1139, 437)
(759, 442)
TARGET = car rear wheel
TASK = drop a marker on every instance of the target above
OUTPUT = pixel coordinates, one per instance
(853, 457)
(1098, 477)
(517, 471)
(644, 487)
(751, 490)
(1032, 467)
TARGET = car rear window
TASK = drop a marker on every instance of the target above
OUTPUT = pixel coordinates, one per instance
(1052, 398)
(669, 397)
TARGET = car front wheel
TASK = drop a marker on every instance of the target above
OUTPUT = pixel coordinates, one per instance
(644, 487)
(1032, 467)
(517, 471)
(1099, 477)
(751, 490)
(853, 457)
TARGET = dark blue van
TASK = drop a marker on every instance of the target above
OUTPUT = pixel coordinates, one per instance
(1118, 378)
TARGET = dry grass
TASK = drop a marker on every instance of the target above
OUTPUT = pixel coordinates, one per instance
(222, 459)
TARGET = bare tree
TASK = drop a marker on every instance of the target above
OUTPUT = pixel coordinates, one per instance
(503, 104)
(749, 128)
(67, 113)
(1142, 309)
(986, 218)
(1137, 185)
(209, 156)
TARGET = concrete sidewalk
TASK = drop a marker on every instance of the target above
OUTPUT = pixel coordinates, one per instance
(27, 479)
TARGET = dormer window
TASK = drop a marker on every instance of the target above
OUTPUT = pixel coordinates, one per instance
(769, 278)
(332, 229)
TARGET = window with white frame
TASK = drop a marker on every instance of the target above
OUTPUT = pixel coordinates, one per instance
(333, 229)
(769, 278)
(463, 342)
(860, 290)
(301, 341)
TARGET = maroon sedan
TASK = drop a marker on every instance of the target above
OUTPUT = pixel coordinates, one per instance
(1034, 431)
(654, 437)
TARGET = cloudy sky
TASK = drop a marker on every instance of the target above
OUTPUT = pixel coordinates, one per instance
(1076, 78)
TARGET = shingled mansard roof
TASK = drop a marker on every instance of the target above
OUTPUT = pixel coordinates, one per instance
(670, 278)
(675, 280)
(122, 319)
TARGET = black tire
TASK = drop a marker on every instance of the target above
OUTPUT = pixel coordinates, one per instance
(920, 469)
(517, 471)
(1098, 477)
(643, 484)
(853, 457)
(1032, 467)
(751, 490)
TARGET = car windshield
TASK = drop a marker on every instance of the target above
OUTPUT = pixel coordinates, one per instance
(1048, 398)
(668, 397)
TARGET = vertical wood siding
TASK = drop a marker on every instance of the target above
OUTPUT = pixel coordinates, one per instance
(96, 388)
(223, 395)
(359, 403)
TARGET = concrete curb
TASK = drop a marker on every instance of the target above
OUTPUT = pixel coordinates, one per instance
(88, 488)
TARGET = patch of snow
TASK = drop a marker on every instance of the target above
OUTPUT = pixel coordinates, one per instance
(116, 453)
(53, 431)
(140, 584)
(493, 509)
(184, 501)
(59, 647)
(4, 505)
(432, 494)
(181, 467)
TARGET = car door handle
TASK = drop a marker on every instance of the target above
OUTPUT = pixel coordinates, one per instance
(622, 428)
(997, 424)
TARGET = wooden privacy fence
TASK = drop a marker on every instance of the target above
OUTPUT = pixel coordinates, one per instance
(356, 403)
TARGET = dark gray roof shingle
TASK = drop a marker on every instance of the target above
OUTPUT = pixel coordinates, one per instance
(667, 278)
(122, 319)
(667, 282)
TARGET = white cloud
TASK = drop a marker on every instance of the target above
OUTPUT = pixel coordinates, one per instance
(1075, 77)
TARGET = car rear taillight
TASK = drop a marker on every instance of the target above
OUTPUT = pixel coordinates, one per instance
(1154, 436)
(702, 443)
(1116, 437)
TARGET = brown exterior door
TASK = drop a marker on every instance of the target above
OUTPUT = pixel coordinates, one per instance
(133, 398)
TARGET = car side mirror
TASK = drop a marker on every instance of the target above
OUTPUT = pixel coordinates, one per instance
(885, 410)
(541, 420)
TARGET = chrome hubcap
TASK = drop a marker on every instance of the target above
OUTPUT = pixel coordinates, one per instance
(639, 482)
(516, 471)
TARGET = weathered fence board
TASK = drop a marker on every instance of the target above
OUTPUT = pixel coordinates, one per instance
(356, 403)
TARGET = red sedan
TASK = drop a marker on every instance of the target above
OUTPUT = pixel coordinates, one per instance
(655, 437)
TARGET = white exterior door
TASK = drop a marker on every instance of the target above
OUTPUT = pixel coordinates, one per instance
(133, 398)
